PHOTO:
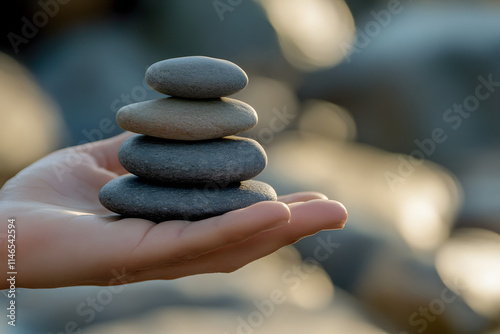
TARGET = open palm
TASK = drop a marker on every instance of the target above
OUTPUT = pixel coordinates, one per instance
(65, 237)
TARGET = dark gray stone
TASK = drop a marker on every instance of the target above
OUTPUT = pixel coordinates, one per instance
(221, 161)
(182, 119)
(131, 196)
(196, 77)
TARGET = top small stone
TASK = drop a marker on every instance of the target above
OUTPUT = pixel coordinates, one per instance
(196, 77)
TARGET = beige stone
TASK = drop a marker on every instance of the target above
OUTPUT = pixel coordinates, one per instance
(182, 119)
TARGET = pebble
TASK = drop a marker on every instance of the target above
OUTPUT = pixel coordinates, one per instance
(196, 77)
(133, 197)
(218, 161)
(181, 119)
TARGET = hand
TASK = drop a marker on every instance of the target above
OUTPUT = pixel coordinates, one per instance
(65, 237)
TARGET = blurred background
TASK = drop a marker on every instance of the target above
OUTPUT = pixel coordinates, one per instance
(391, 107)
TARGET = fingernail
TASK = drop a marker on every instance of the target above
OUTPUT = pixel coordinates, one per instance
(344, 213)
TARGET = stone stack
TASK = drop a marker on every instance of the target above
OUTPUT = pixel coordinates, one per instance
(186, 161)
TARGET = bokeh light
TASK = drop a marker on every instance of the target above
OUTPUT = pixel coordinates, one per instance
(310, 31)
(470, 264)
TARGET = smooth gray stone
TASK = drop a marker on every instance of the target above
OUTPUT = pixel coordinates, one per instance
(196, 77)
(181, 119)
(131, 196)
(221, 161)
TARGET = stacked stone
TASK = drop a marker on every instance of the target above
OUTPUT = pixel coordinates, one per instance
(186, 162)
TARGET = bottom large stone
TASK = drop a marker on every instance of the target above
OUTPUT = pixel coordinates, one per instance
(131, 196)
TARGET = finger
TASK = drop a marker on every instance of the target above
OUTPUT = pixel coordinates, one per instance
(179, 241)
(105, 152)
(301, 197)
(306, 219)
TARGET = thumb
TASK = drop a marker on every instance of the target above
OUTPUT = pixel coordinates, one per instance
(105, 152)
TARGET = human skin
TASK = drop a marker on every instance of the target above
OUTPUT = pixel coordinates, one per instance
(65, 237)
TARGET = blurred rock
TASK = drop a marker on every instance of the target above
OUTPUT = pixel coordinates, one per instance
(470, 265)
(304, 301)
(420, 204)
(400, 85)
(383, 256)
